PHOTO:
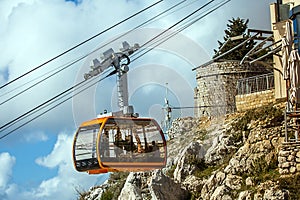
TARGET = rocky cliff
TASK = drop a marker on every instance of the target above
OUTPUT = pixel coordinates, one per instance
(233, 157)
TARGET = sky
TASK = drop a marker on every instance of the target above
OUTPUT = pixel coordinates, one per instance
(36, 160)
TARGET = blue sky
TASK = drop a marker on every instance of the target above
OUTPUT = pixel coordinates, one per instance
(36, 160)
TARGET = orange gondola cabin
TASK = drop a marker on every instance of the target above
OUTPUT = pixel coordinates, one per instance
(111, 143)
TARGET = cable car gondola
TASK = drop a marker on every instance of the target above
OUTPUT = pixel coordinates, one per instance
(119, 141)
(110, 143)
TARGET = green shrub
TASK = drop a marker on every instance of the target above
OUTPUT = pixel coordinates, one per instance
(205, 173)
(241, 125)
(291, 184)
(81, 193)
(107, 195)
(116, 181)
(170, 172)
(201, 134)
(117, 176)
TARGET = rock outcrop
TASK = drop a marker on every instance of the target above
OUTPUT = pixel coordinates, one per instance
(186, 162)
(238, 156)
(151, 185)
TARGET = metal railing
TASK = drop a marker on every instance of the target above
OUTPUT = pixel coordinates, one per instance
(255, 84)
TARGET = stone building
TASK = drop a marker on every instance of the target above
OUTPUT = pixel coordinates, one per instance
(216, 86)
(281, 12)
(215, 93)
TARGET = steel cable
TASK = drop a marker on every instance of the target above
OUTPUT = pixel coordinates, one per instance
(77, 45)
(37, 108)
(84, 56)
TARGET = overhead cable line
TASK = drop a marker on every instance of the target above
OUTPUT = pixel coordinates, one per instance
(73, 87)
(178, 22)
(162, 40)
(107, 43)
(81, 43)
(49, 101)
(46, 104)
(30, 81)
(12, 122)
(56, 72)
(42, 104)
(191, 107)
(180, 8)
(51, 108)
(40, 81)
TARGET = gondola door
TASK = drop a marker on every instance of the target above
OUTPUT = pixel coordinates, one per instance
(85, 147)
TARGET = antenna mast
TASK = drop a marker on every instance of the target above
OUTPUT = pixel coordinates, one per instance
(168, 110)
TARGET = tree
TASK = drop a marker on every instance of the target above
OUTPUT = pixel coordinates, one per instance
(235, 27)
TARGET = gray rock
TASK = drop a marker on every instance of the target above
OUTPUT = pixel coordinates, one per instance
(193, 184)
(220, 177)
(233, 182)
(286, 165)
(131, 191)
(293, 170)
(220, 193)
(258, 196)
(249, 181)
(291, 158)
(191, 154)
(162, 187)
(281, 159)
(284, 153)
(95, 194)
(283, 171)
(275, 194)
(245, 195)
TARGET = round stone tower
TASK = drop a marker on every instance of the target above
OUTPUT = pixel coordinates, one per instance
(216, 86)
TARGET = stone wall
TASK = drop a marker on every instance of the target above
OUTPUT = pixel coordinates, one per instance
(216, 86)
(289, 158)
(254, 100)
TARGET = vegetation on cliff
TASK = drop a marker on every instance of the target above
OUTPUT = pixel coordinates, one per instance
(232, 157)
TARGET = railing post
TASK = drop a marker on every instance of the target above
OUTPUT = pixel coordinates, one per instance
(267, 78)
(243, 87)
(256, 82)
(285, 126)
(238, 87)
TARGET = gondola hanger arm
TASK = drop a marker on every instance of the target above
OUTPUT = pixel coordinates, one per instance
(111, 59)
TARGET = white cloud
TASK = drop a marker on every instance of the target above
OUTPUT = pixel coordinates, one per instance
(60, 154)
(63, 185)
(67, 179)
(7, 7)
(7, 162)
(36, 137)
